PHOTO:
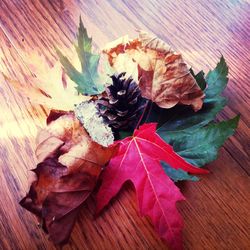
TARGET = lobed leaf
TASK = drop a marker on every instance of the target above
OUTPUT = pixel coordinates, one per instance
(70, 164)
(88, 81)
(138, 160)
(201, 147)
(49, 86)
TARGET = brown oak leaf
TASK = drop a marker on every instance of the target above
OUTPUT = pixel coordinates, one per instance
(70, 164)
(162, 74)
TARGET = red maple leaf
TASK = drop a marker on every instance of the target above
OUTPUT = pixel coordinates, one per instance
(138, 160)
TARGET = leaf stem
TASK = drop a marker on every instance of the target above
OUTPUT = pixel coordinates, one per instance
(143, 113)
(149, 111)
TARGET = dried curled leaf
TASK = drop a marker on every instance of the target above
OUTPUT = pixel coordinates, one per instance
(162, 74)
(70, 164)
(50, 86)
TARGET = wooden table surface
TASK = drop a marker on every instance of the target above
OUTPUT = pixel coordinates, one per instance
(216, 212)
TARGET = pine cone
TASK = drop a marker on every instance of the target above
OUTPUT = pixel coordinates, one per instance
(123, 104)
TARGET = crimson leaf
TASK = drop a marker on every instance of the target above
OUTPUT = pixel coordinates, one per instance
(138, 160)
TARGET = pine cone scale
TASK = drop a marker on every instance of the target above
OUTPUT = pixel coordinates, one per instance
(123, 103)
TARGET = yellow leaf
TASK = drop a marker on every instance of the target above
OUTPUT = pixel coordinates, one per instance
(50, 86)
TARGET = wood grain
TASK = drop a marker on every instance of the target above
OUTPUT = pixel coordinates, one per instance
(216, 212)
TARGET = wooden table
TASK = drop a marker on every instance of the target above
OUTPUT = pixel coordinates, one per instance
(216, 212)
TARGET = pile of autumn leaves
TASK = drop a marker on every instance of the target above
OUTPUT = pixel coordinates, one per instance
(170, 142)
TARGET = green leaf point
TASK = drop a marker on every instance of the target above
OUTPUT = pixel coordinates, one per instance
(88, 81)
(217, 79)
(84, 41)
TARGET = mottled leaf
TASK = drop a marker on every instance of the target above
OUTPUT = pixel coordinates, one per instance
(70, 164)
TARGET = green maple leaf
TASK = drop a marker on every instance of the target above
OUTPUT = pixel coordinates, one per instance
(202, 146)
(194, 135)
(88, 81)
